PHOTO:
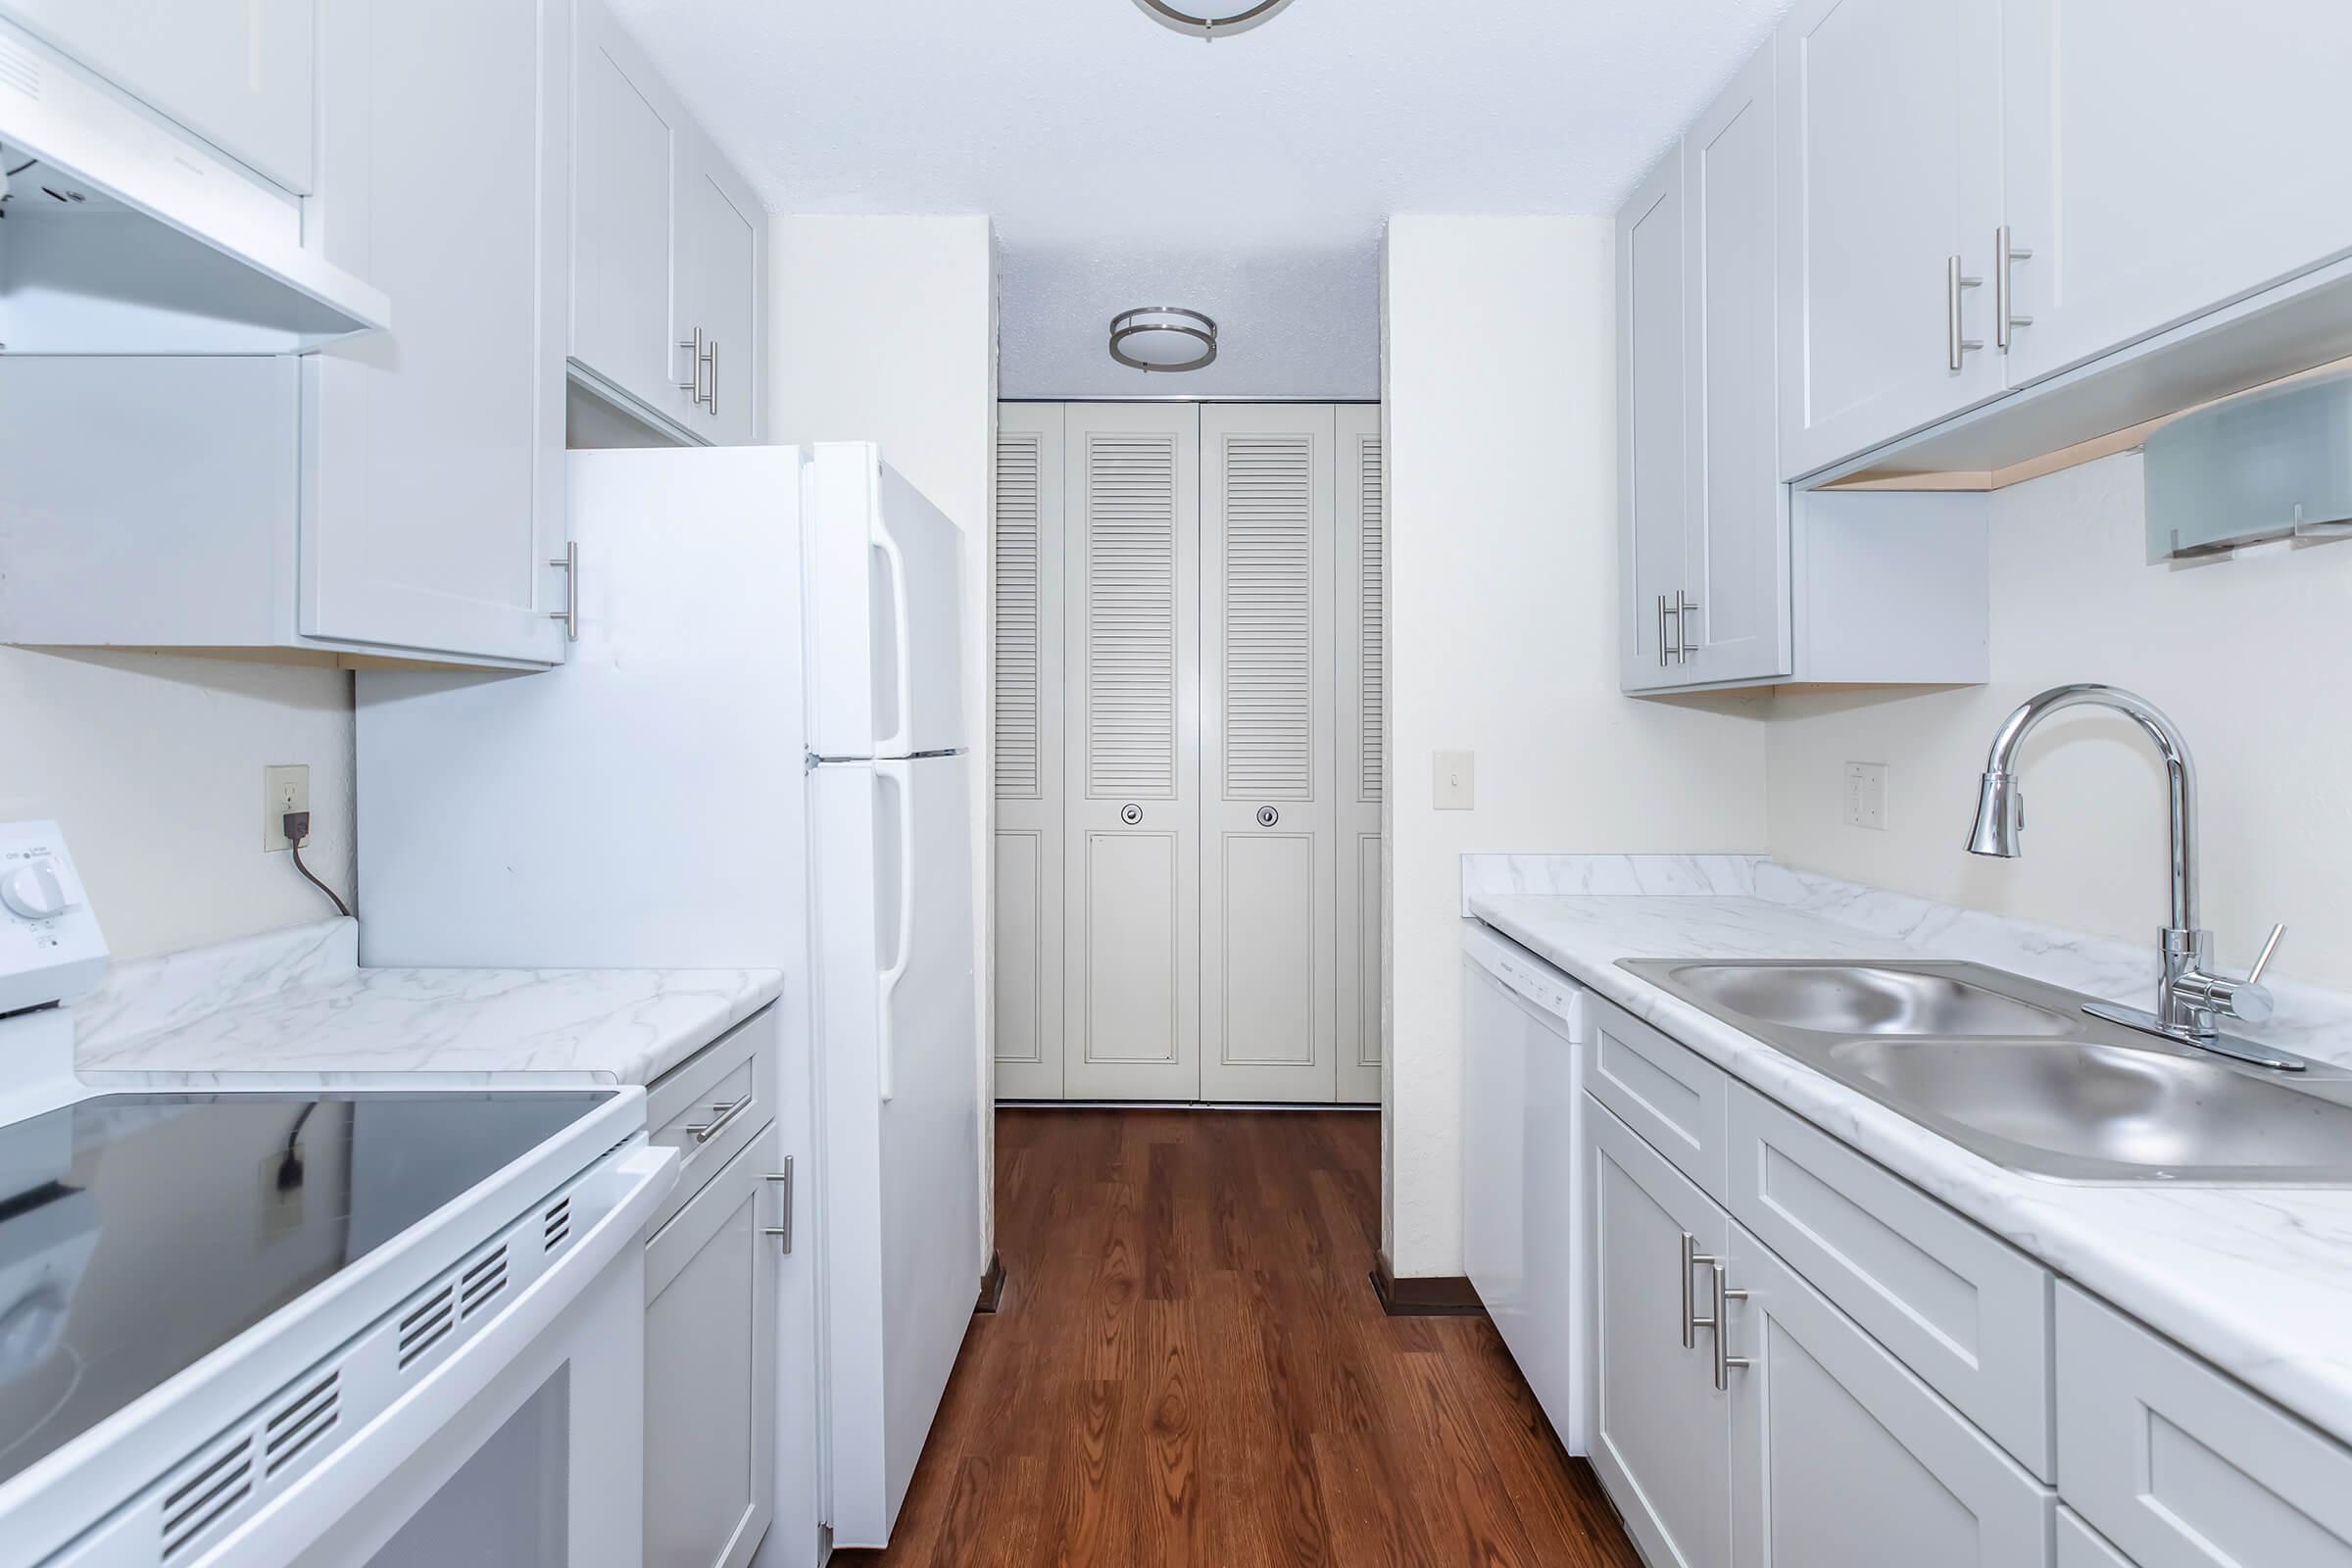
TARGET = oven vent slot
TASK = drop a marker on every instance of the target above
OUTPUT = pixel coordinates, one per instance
(201, 1501)
(426, 1326)
(558, 1223)
(300, 1422)
(479, 1284)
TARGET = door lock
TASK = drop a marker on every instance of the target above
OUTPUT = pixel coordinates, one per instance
(1267, 817)
(1130, 814)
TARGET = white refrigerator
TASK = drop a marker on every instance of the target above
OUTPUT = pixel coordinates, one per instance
(754, 756)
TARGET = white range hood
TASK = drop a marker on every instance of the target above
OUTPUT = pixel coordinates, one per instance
(125, 234)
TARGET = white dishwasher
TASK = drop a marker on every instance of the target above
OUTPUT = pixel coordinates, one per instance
(1523, 1133)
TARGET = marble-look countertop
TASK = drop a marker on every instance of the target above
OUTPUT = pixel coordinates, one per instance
(2256, 1281)
(293, 1008)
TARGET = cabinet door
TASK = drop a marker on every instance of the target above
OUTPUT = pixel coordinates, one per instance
(1028, 750)
(710, 1369)
(1890, 160)
(624, 220)
(1362, 609)
(1652, 545)
(433, 464)
(1661, 1433)
(237, 72)
(721, 237)
(1268, 752)
(1736, 559)
(1131, 1026)
(1840, 1455)
(2141, 211)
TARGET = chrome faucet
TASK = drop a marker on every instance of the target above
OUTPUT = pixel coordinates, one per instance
(2190, 998)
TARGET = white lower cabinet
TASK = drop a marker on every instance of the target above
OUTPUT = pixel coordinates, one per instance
(2181, 1467)
(1892, 1382)
(1661, 1430)
(710, 1368)
(1840, 1455)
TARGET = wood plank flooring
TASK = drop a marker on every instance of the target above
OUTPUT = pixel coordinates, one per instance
(1190, 1368)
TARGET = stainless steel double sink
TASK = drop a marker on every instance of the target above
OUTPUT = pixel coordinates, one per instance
(2015, 1071)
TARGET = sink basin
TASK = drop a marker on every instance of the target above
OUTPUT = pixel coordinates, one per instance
(2115, 1105)
(1860, 998)
(2017, 1072)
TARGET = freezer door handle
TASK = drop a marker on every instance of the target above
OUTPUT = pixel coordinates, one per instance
(900, 740)
(901, 779)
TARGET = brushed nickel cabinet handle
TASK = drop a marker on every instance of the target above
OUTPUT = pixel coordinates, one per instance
(783, 1232)
(570, 614)
(719, 1123)
(1955, 284)
(2005, 319)
(1723, 1362)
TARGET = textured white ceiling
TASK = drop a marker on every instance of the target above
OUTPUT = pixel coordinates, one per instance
(1094, 137)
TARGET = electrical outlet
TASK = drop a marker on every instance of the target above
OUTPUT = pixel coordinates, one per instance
(1865, 796)
(284, 788)
(1455, 784)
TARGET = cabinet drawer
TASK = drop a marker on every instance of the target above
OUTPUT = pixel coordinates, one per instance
(1963, 1310)
(714, 1103)
(1842, 1459)
(2081, 1546)
(1665, 1092)
(2181, 1467)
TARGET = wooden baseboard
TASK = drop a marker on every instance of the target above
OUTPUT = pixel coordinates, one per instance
(991, 1284)
(1428, 1296)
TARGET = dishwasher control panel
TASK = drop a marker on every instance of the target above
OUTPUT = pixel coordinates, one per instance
(1529, 977)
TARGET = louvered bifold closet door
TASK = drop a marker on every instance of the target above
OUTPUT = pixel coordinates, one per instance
(1362, 597)
(1029, 761)
(1268, 869)
(1132, 912)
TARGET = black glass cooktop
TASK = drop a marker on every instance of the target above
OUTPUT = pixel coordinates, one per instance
(139, 1233)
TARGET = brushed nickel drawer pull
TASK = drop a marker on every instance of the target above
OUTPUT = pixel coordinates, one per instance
(719, 1123)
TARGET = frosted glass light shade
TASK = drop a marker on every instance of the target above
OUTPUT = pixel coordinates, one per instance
(2264, 465)
(1163, 337)
(1210, 18)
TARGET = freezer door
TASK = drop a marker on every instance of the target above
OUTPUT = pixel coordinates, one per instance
(884, 611)
(899, 1051)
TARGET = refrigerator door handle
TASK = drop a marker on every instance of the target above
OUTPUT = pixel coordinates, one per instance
(901, 778)
(900, 740)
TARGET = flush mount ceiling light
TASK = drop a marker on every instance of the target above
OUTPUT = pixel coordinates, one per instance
(1211, 18)
(1163, 337)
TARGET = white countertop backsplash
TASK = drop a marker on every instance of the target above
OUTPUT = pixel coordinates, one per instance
(294, 1007)
(2256, 1280)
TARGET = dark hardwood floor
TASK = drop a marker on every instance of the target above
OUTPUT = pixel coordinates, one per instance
(1190, 1368)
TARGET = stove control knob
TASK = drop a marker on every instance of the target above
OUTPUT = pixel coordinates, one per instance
(37, 891)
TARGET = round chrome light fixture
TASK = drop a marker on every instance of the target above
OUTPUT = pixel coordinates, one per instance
(1163, 337)
(1211, 18)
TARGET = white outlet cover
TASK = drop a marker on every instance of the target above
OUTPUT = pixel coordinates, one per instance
(285, 787)
(1865, 796)
(1454, 786)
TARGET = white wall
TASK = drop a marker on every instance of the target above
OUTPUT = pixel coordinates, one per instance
(2247, 656)
(152, 766)
(1500, 398)
(1290, 322)
(884, 329)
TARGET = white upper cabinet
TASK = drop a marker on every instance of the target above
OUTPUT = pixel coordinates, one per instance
(1889, 195)
(2165, 157)
(237, 72)
(1653, 546)
(1733, 624)
(721, 230)
(667, 251)
(625, 145)
(433, 462)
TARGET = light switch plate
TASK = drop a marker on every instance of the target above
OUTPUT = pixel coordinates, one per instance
(1865, 796)
(285, 788)
(1455, 786)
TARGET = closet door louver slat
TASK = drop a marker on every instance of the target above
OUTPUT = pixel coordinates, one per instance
(1130, 614)
(1363, 740)
(1020, 610)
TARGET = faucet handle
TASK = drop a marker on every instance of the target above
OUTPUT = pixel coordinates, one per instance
(2263, 960)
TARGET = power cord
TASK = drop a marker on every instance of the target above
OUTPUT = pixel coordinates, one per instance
(297, 828)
